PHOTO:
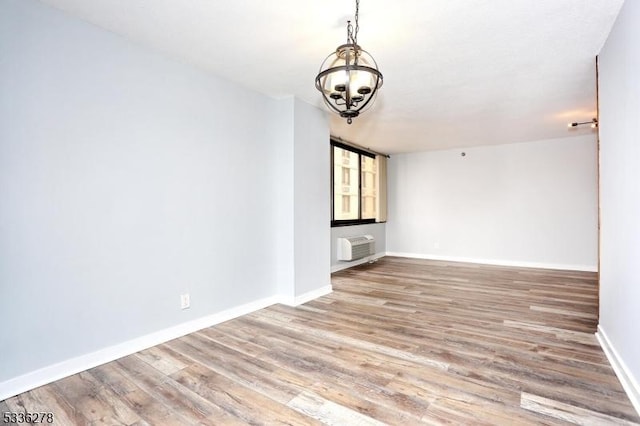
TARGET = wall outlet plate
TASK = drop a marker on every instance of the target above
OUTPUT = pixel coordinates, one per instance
(185, 301)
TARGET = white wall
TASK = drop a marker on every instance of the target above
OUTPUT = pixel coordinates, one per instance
(311, 197)
(301, 135)
(528, 204)
(127, 179)
(619, 71)
(378, 230)
(282, 125)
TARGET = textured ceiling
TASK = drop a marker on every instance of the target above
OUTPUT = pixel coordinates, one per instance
(457, 73)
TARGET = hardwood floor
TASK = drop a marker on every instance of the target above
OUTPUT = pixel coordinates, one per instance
(402, 341)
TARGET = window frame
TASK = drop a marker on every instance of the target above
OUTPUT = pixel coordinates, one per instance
(360, 152)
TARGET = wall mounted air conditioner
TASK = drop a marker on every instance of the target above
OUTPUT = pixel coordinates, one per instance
(354, 248)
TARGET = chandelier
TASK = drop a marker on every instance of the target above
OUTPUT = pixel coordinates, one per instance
(349, 78)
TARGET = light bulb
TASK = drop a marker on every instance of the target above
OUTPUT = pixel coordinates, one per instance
(360, 84)
(337, 84)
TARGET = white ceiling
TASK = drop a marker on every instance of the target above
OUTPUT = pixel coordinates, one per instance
(457, 73)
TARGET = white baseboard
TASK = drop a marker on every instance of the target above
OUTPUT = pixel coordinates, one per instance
(498, 262)
(75, 365)
(628, 381)
(306, 297)
(346, 265)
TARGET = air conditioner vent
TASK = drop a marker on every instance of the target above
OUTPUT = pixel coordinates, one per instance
(357, 247)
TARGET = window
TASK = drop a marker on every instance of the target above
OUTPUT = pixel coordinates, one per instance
(368, 187)
(346, 204)
(346, 176)
(358, 186)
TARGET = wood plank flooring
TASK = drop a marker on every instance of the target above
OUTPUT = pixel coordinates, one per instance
(400, 342)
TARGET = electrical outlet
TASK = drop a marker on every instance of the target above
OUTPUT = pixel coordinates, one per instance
(185, 301)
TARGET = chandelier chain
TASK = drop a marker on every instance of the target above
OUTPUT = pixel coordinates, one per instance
(352, 33)
(355, 36)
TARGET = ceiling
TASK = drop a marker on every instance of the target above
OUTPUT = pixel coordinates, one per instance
(457, 73)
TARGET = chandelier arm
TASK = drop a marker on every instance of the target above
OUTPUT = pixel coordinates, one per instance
(371, 98)
(322, 74)
(373, 69)
(354, 67)
(328, 71)
(332, 106)
(367, 68)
